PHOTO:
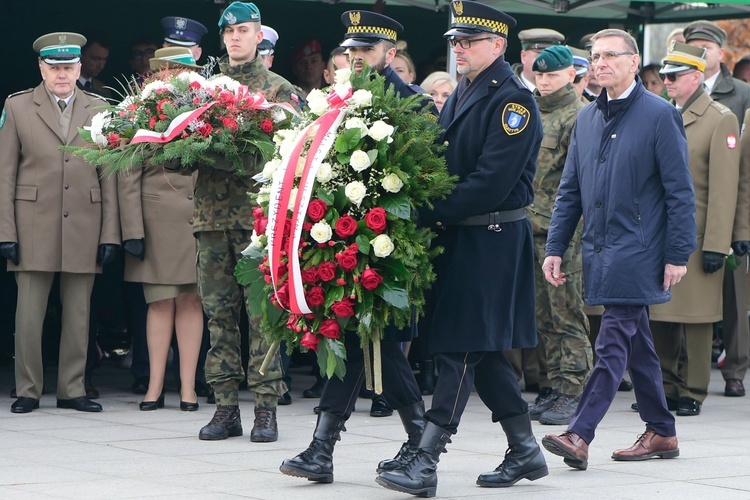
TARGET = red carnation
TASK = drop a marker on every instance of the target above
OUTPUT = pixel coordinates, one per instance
(310, 276)
(310, 340)
(266, 126)
(229, 123)
(330, 329)
(343, 308)
(371, 279)
(113, 140)
(316, 297)
(346, 226)
(347, 260)
(317, 209)
(376, 220)
(326, 271)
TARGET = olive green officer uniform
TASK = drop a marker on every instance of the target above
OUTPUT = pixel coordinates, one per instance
(58, 211)
(713, 135)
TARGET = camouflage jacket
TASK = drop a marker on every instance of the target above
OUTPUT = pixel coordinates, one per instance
(559, 111)
(221, 200)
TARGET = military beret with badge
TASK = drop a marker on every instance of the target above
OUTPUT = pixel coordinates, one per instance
(182, 31)
(239, 12)
(60, 47)
(553, 58)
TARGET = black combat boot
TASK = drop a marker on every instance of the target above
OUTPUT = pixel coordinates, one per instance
(225, 423)
(413, 419)
(419, 476)
(316, 462)
(523, 459)
(265, 428)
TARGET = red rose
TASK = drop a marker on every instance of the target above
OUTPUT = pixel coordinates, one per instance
(343, 308)
(346, 226)
(371, 279)
(310, 340)
(205, 129)
(282, 295)
(317, 209)
(316, 297)
(152, 122)
(266, 126)
(310, 276)
(326, 271)
(195, 85)
(226, 97)
(258, 212)
(281, 270)
(347, 260)
(229, 123)
(306, 226)
(330, 329)
(376, 220)
(264, 268)
(260, 225)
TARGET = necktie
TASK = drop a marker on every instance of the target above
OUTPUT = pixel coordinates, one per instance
(62, 105)
(87, 85)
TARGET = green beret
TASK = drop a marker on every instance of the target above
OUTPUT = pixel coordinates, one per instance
(239, 12)
(705, 30)
(553, 58)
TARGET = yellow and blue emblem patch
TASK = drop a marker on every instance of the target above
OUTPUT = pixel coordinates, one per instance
(515, 118)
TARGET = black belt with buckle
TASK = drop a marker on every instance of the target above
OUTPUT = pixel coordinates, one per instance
(493, 219)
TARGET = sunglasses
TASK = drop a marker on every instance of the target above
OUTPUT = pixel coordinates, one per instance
(672, 77)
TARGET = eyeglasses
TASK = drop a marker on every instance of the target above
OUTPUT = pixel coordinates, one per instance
(465, 43)
(608, 56)
(142, 54)
(672, 77)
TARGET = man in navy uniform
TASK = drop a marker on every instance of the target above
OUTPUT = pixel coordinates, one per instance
(484, 294)
(371, 41)
(183, 32)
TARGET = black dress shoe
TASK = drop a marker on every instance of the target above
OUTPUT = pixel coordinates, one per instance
(188, 406)
(285, 399)
(91, 391)
(79, 404)
(140, 386)
(734, 388)
(152, 405)
(24, 405)
(672, 405)
(315, 391)
(625, 386)
(379, 407)
(689, 407)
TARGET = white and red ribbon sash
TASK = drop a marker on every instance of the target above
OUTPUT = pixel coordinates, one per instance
(324, 131)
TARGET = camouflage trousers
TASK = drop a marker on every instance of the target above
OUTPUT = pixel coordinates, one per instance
(223, 299)
(561, 324)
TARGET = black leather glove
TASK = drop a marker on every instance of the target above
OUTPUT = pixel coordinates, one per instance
(741, 247)
(9, 250)
(106, 254)
(712, 261)
(135, 247)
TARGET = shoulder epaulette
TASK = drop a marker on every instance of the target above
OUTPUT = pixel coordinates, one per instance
(21, 92)
(519, 83)
(721, 107)
(95, 96)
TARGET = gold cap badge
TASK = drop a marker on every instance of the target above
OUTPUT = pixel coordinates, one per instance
(354, 17)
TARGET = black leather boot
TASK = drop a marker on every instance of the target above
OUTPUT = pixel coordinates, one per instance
(419, 476)
(225, 423)
(413, 419)
(523, 460)
(427, 377)
(316, 462)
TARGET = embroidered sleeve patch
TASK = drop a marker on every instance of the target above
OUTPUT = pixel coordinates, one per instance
(515, 118)
(731, 141)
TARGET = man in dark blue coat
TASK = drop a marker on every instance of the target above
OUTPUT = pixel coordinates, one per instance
(484, 294)
(627, 175)
(371, 41)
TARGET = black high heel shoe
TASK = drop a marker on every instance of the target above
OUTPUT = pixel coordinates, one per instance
(152, 405)
(185, 406)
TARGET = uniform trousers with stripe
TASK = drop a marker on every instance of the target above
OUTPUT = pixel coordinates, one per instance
(492, 375)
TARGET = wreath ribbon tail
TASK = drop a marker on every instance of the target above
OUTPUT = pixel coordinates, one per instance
(273, 350)
(368, 366)
(377, 367)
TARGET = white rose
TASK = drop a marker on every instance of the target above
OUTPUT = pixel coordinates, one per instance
(356, 122)
(283, 135)
(317, 102)
(324, 173)
(356, 192)
(343, 75)
(300, 166)
(292, 198)
(269, 168)
(380, 130)
(382, 246)
(360, 160)
(321, 231)
(392, 183)
(362, 98)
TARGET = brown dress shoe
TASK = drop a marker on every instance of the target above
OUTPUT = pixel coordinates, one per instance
(570, 446)
(649, 445)
(734, 388)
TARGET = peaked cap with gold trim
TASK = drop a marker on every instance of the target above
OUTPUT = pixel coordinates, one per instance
(60, 47)
(682, 57)
(474, 18)
(365, 29)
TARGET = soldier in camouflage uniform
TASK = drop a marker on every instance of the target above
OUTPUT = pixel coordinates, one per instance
(562, 326)
(223, 223)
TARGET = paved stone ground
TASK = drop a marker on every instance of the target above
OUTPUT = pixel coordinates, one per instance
(125, 453)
